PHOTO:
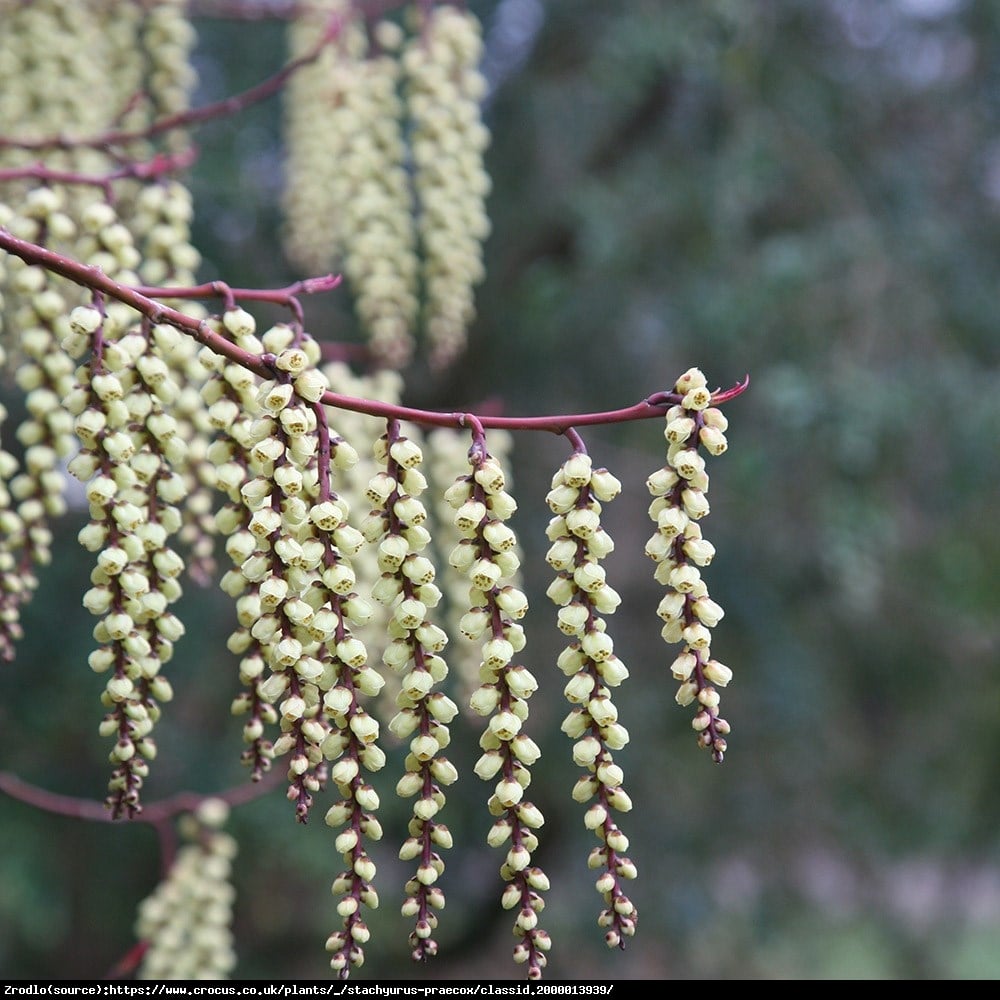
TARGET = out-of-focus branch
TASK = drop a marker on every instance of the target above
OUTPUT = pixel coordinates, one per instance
(159, 165)
(155, 814)
(194, 116)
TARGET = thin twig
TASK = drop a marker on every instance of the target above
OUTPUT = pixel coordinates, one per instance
(155, 814)
(162, 163)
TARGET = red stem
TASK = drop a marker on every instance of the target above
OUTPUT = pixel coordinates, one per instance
(95, 279)
(162, 163)
(155, 814)
(219, 289)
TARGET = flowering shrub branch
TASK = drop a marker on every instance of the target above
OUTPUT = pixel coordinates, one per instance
(193, 432)
(145, 302)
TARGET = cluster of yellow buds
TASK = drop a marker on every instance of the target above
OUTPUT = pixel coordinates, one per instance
(37, 306)
(186, 922)
(128, 448)
(59, 92)
(680, 551)
(380, 259)
(348, 200)
(167, 40)
(386, 143)
(230, 397)
(319, 127)
(288, 534)
(86, 218)
(448, 459)
(12, 536)
(444, 91)
(580, 588)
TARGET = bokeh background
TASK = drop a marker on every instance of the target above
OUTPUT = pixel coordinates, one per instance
(805, 191)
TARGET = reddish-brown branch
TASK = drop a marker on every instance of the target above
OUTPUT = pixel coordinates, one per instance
(219, 289)
(156, 312)
(155, 814)
(287, 296)
(194, 116)
(162, 163)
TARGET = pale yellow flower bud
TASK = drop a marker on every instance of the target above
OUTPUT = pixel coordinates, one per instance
(693, 378)
(505, 725)
(497, 653)
(697, 398)
(572, 618)
(521, 682)
(695, 503)
(707, 611)
(489, 765)
(684, 578)
(583, 522)
(490, 476)
(578, 688)
(584, 789)
(406, 453)
(84, 320)
(484, 574)
(718, 673)
(713, 439)
(661, 482)
(597, 645)
(615, 736)
(697, 636)
(485, 700)
(602, 711)
(576, 724)
(686, 693)
(508, 793)
(409, 785)
(310, 385)
(586, 751)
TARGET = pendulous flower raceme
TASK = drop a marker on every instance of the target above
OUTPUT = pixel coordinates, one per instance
(128, 450)
(186, 922)
(339, 169)
(444, 90)
(580, 588)
(486, 557)
(396, 524)
(680, 552)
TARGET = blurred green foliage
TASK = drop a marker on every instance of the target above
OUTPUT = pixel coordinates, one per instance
(806, 191)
